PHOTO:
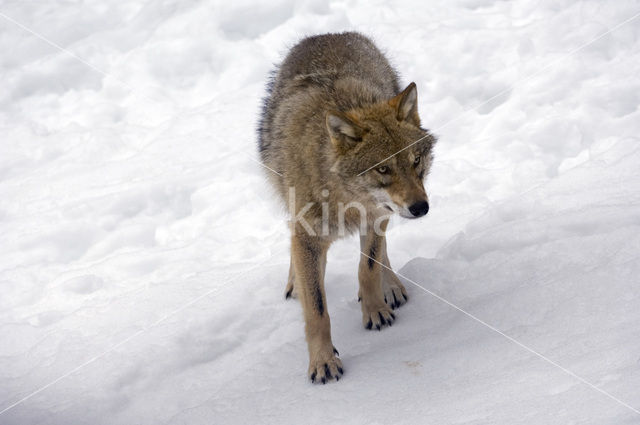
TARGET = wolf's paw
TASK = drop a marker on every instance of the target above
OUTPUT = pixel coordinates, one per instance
(290, 291)
(325, 366)
(395, 294)
(377, 318)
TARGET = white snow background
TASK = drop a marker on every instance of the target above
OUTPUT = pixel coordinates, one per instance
(143, 257)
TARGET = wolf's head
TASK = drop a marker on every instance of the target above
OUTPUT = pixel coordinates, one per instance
(382, 150)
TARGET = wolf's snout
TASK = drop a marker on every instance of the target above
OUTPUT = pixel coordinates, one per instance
(419, 208)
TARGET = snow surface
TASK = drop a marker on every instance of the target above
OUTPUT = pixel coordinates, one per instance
(143, 258)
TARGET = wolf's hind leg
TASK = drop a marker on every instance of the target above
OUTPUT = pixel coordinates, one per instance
(395, 294)
(290, 291)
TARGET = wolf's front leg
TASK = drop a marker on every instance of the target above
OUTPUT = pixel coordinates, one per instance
(375, 312)
(309, 256)
(395, 294)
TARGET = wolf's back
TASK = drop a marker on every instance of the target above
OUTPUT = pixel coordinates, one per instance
(320, 61)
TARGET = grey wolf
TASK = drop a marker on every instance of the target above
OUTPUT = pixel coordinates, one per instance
(341, 137)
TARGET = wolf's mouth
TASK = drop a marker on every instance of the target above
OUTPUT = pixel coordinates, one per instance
(405, 215)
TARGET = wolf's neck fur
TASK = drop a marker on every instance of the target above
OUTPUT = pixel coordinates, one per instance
(353, 93)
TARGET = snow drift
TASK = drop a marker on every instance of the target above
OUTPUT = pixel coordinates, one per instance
(143, 260)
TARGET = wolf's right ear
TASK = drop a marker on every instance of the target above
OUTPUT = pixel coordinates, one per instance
(345, 133)
(406, 104)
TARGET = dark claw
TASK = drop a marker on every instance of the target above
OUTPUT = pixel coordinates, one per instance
(337, 378)
(393, 316)
(313, 377)
(324, 381)
(341, 371)
(395, 300)
(288, 294)
(359, 299)
(335, 351)
(370, 324)
(327, 371)
(378, 326)
(382, 321)
(406, 298)
(385, 300)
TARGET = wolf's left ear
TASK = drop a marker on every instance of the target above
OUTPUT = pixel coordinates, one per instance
(406, 104)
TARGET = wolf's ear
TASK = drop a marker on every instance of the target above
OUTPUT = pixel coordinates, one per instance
(345, 132)
(406, 104)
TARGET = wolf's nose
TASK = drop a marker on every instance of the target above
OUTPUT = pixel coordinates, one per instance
(419, 208)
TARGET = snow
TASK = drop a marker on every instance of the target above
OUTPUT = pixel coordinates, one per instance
(144, 258)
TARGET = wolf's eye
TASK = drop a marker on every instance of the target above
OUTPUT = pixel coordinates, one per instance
(417, 160)
(383, 169)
